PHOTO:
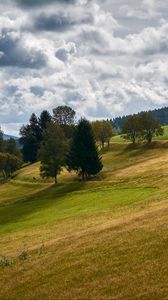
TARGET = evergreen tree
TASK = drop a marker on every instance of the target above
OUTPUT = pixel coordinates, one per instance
(44, 119)
(83, 155)
(30, 139)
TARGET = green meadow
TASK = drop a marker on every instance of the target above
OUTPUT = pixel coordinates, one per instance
(102, 239)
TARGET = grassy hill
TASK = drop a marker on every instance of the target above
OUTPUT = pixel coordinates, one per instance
(104, 239)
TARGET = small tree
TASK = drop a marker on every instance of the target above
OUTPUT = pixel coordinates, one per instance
(131, 128)
(8, 164)
(52, 152)
(102, 131)
(150, 126)
(83, 155)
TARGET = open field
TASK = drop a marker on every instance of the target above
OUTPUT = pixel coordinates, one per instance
(104, 239)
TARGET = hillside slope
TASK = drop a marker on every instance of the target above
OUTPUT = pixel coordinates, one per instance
(102, 239)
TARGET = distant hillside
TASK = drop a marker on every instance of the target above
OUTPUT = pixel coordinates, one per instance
(7, 137)
(161, 114)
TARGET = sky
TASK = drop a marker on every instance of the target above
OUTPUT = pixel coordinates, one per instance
(103, 58)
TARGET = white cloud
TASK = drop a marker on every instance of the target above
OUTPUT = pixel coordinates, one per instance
(107, 58)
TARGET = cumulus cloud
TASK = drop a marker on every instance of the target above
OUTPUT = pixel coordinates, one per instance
(60, 21)
(14, 53)
(103, 58)
(65, 53)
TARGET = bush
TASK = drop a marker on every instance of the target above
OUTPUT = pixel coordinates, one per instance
(5, 262)
(24, 254)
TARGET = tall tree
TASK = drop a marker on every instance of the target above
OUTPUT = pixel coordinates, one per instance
(30, 139)
(83, 155)
(52, 152)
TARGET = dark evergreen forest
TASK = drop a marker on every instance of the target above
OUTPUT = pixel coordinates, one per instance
(161, 114)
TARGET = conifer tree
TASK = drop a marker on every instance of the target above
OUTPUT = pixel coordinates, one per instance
(44, 119)
(31, 139)
(83, 155)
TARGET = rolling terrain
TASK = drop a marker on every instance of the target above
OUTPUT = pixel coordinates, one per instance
(103, 239)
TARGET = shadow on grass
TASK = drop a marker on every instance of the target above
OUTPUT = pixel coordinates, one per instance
(142, 148)
(21, 209)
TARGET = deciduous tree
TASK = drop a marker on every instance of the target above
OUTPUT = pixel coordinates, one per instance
(52, 152)
(64, 115)
(102, 131)
(131, 128)
(150, 126)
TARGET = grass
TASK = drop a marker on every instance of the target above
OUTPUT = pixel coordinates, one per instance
(104, 239)
(163, 137)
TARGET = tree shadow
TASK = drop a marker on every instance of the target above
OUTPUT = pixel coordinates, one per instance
(25, 206)
(142, 148)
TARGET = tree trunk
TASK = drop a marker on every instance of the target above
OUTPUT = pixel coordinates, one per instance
(83, 176)
(133, 140)
(4, 174)
(149, 137)
(133, 137)
(56, 181)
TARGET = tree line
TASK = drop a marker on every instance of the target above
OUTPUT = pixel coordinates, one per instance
(160, 114)
(59, 141)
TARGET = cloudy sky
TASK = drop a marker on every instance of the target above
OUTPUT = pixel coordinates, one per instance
(103, 58)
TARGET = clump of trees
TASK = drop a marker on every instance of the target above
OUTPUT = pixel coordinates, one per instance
(10, 157)
(57, 141)
(80, 155)
(32, 136)
(142, 126)
(102, 132)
